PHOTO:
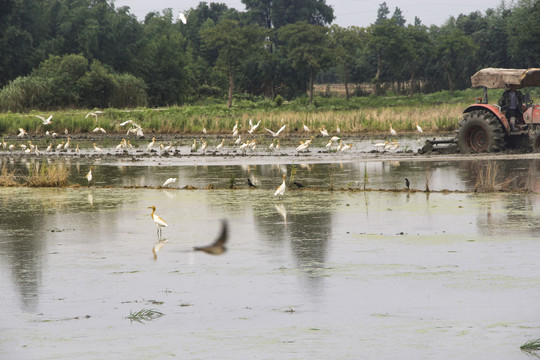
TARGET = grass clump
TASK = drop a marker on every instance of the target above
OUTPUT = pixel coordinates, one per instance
(145, 315)
(45, 175)
(7, 178)
(531, 346)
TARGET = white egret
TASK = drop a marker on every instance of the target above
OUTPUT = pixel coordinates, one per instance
(89, 175)
(157, 220)
(324, 132)
(22, 133)
(169, 181)
(97, 148)
(281, 189)
(276, 134)
(151, 144)
(182, 18)
(418, 127)
(253, 127)
(91, 114)
(66, 146)
(220, 145)
(306, 129)
(392, 131)
(47, 121)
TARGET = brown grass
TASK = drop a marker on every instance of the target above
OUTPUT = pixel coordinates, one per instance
(7, 178)
(45, 175)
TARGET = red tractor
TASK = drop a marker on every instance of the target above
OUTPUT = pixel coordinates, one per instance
(486, 128)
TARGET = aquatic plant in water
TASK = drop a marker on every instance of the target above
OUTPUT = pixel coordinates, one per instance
(145, 315)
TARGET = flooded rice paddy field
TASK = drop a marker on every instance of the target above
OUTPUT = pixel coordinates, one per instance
(322, 274)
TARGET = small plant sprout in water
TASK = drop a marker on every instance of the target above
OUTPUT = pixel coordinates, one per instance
(144, 315)
(531, 346)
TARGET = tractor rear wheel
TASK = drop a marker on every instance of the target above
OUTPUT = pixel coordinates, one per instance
(480, 131)
(535, 140)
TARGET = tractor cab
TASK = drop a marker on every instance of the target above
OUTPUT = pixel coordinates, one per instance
(487, 127)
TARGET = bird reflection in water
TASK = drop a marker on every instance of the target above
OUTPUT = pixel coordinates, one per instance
(282, 211)
(157, 246)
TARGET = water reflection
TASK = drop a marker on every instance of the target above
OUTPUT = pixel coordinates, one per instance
(29, 217)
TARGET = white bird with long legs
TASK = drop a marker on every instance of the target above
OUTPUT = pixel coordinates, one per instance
(281, 189)
(160, 223)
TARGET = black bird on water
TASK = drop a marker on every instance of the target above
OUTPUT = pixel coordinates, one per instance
(407, 183)
(298, 185)
(218, 247)
(250, 183)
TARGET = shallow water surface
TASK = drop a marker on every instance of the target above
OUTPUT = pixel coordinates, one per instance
(315, 274)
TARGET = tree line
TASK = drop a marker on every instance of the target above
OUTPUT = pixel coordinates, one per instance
(88, 53)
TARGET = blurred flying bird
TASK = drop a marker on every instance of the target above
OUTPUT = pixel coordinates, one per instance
(276, 134)
(47, 121)
(91, 114)
(182, 18)
(253, 127)
(218, 247)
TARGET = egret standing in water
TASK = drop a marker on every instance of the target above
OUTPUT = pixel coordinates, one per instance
(157, 220)
(281, 189)
(89, 175)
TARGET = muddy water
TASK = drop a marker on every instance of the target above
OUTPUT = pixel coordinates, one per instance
(386, 174)
(315, 274)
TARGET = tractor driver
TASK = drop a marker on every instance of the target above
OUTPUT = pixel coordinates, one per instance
(511, 103)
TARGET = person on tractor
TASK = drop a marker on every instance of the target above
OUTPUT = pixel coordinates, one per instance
(511, 103)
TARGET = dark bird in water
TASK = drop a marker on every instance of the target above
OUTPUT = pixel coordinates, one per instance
(407, 183)
(218, 247)
(250, 184)
(298, 185)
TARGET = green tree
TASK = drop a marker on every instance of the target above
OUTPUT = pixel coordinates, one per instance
(452, 49)
(163, 63)
(346, 43)
(417, 47)
(523, 31)
(307, 47)
(233, 43)
(278, 13)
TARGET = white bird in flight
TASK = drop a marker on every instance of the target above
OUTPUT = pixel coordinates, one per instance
(253, 127)
(182, 18)
(276, 134)
(47, 121)
(169, 181)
